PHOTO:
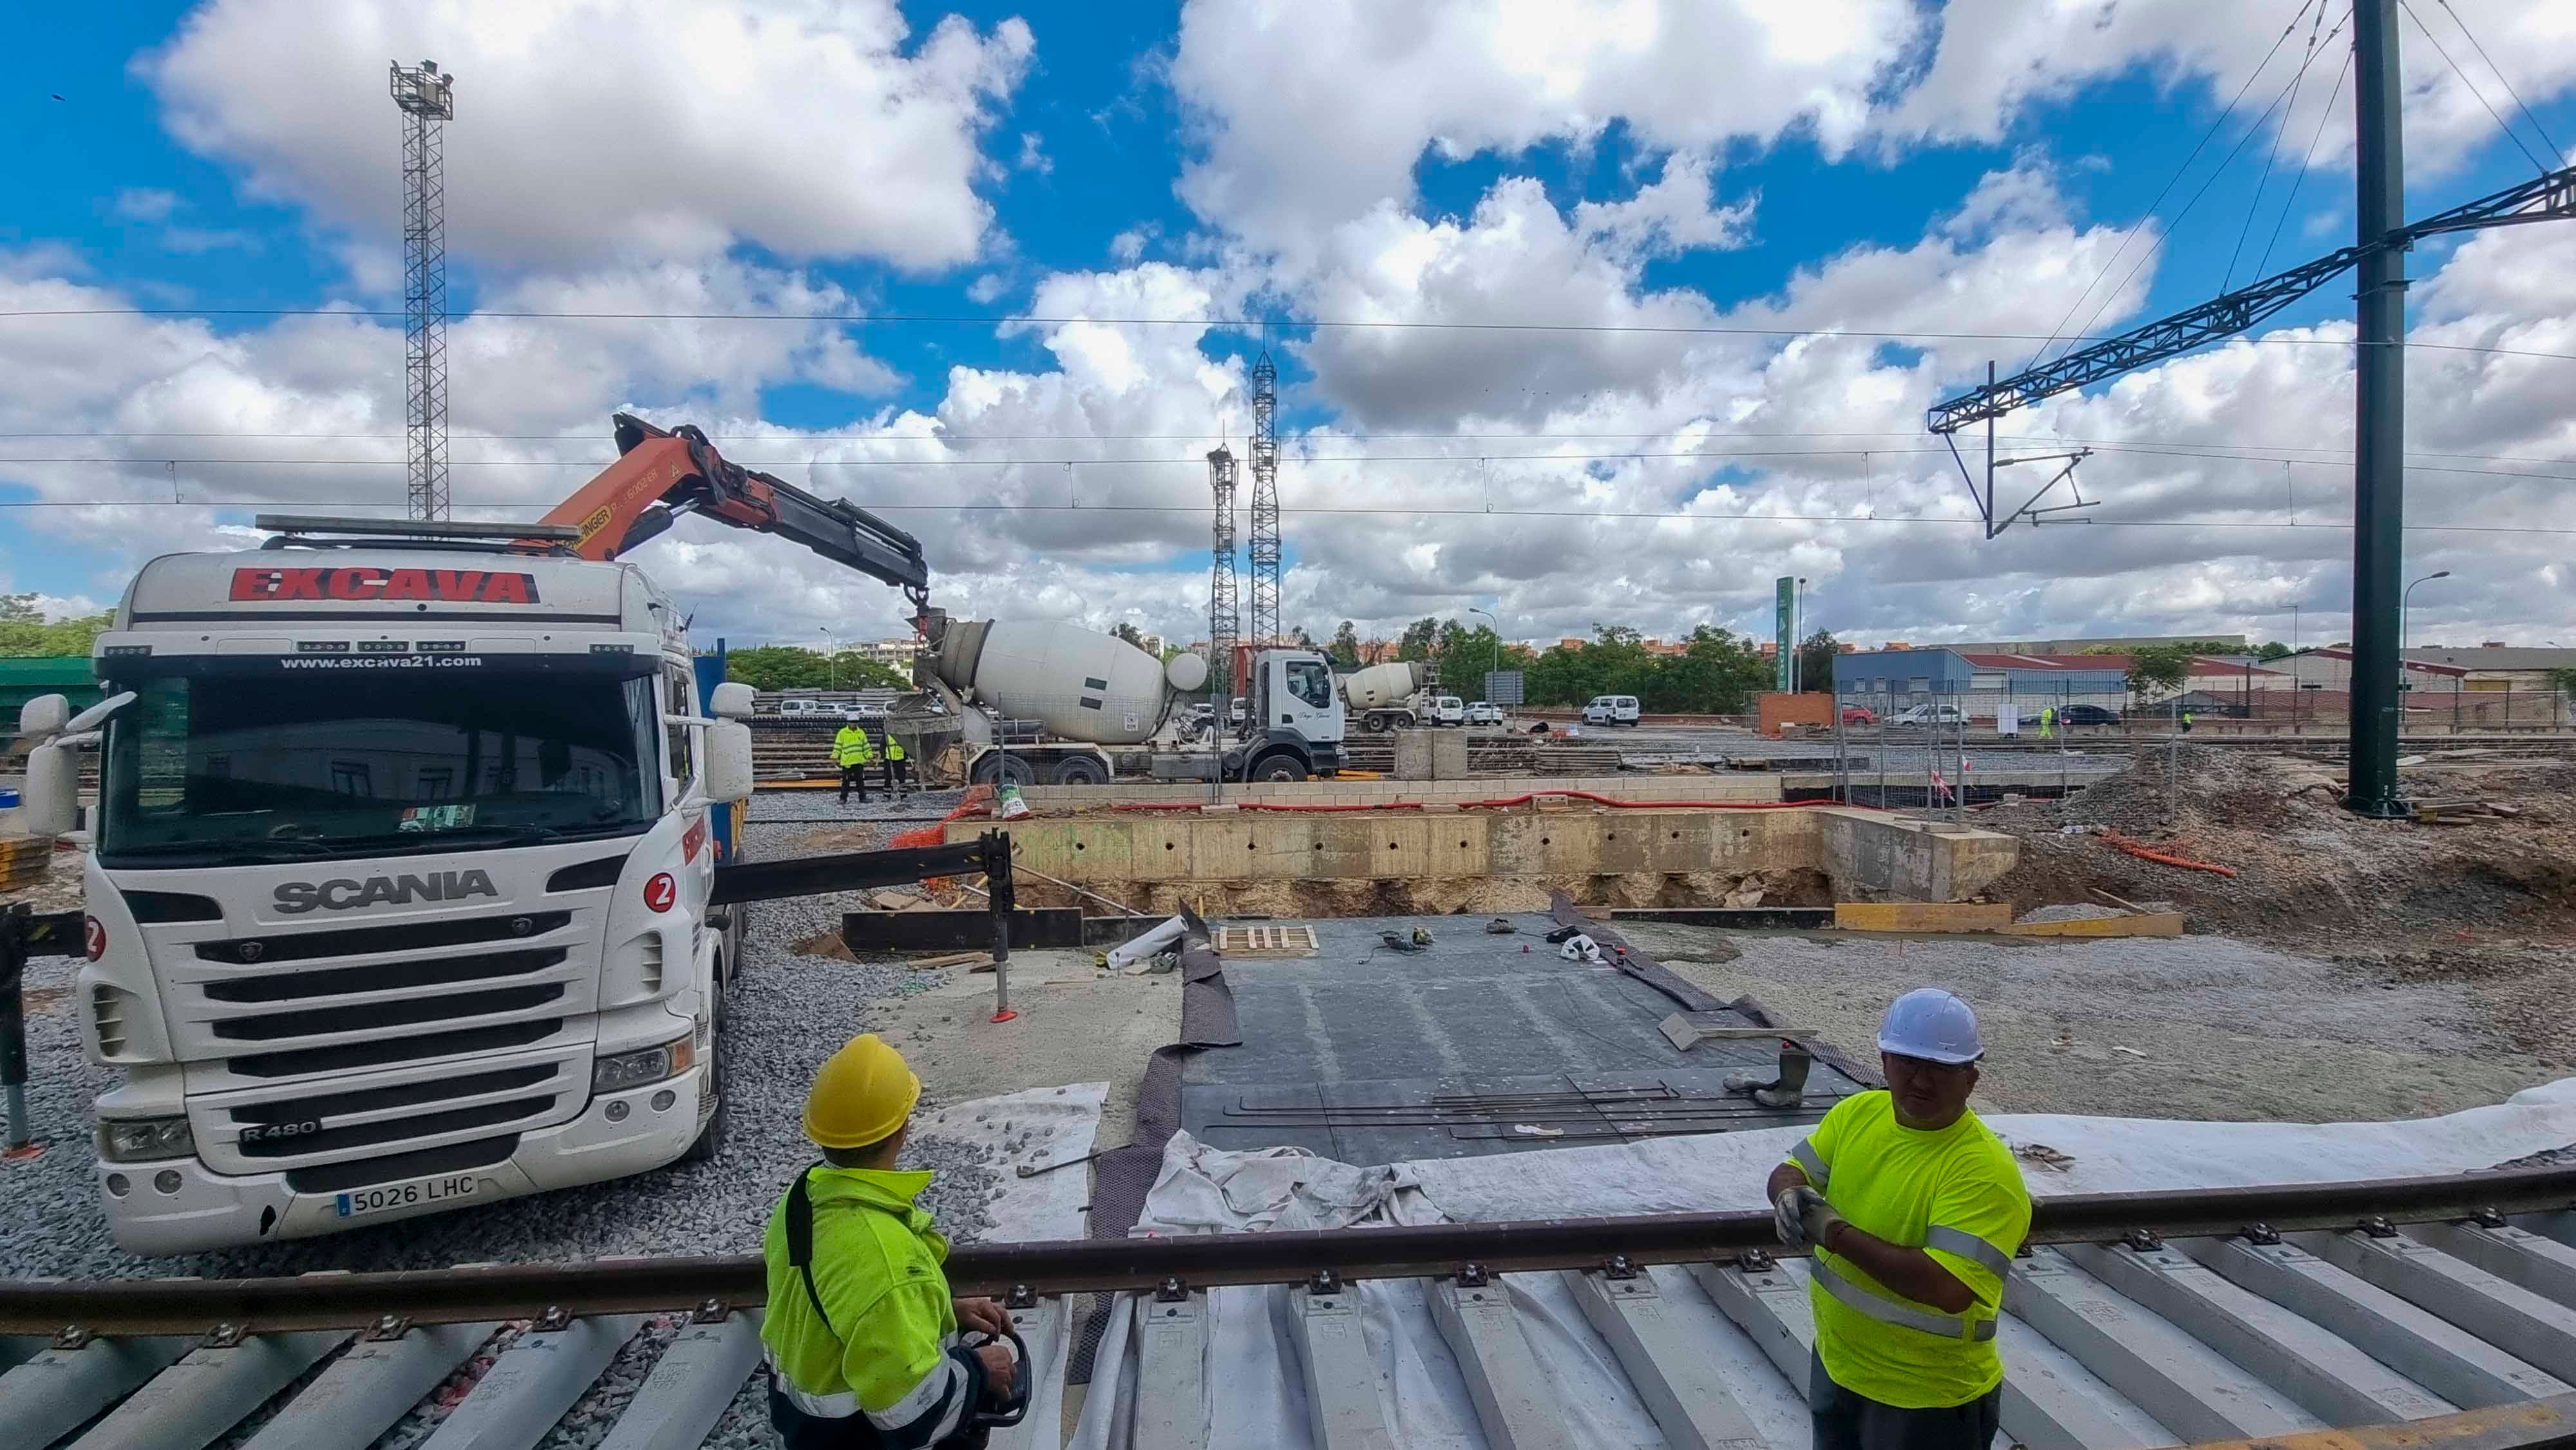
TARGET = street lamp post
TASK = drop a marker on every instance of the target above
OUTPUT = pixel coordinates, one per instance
(2406, 621)
(1498, 638)
(831, 658)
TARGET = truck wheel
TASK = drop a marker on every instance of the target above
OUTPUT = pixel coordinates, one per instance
(993, 769)
(1281, 766)
(1081, 770)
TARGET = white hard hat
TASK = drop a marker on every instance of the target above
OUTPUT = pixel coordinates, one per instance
(1933, 1025)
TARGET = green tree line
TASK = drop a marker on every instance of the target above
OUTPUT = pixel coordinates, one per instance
(1717, 672)
(788, 667)
(26, 633)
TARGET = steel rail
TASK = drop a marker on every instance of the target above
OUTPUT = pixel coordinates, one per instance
(476, 1293)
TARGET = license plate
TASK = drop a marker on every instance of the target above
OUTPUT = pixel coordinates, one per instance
(359, 1202)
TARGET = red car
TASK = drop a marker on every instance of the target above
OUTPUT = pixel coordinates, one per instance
(1859, 715)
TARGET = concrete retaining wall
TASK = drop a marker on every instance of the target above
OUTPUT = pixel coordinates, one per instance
(1874, 855)
(1746, 787)
(1863, 852)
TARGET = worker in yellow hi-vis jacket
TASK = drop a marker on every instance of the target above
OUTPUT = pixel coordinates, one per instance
(1913, 1210)
(853, 753)
(866, 1347)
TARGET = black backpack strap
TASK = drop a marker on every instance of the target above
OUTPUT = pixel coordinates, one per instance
(800, 1244)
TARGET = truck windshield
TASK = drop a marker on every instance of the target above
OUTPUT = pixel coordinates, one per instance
(226, 766)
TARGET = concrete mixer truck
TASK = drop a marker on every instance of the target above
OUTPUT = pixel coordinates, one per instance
(1100, 708)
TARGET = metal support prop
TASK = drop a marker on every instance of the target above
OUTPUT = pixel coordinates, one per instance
(2379, 396)
(24, 933)
(996, 846)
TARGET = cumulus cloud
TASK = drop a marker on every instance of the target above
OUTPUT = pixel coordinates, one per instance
(592, 130)
(1311, 113)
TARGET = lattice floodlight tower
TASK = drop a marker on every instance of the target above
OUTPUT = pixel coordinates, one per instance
(427, 99)
(1265, 501)
(1224, 622)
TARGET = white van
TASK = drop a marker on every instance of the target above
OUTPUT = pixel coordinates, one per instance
(1448, 710)
(805, 709)
(1611, 710)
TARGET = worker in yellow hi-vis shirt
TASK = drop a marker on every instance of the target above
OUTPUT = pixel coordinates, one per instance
(1914, 1211)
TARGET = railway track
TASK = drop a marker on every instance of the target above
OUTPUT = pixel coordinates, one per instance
(2197, 1315)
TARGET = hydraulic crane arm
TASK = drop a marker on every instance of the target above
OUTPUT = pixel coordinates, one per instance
(661, 475)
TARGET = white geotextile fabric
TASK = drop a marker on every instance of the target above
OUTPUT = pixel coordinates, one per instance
(1255, 1384)
(1061, 1123)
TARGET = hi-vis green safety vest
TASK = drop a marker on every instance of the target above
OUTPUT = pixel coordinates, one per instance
(894, 748)
(1956, 1194)
(873, 1332)
(851, 747)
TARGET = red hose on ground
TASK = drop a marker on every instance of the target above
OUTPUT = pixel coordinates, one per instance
(2144, 852)
(1497, 804)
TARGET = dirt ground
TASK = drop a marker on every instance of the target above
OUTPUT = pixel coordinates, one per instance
(2486, 908)
(2200, 1027)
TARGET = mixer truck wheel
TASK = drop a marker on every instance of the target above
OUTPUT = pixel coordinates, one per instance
(1282, 766)
(1081, 770)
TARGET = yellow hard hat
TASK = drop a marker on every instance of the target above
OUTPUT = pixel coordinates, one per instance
(861, 1095)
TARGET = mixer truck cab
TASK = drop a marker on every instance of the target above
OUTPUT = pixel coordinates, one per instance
(1099, 703)
(398, 898)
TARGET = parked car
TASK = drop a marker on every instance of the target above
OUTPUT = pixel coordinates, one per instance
(804, 709)
(2088, 715)
(1448, 710)
(1859, 715)
(1929, 715)
(1484, 712)
(1611, 710)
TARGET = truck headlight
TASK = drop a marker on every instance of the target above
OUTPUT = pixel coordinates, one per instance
(635, 1069)
(139, 1140)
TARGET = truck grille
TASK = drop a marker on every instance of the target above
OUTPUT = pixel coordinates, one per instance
(360, 1047)
(372, 1016)
(401, 1049)
(385, 977)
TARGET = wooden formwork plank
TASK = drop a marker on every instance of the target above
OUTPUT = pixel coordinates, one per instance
(1923, 916)
(1267, 939)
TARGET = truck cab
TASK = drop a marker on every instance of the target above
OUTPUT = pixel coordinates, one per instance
(398, 898)
(1297, 720)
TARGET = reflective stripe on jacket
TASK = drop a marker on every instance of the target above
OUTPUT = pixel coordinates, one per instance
(1953, 1192)
(852, 747)
(877, 1336)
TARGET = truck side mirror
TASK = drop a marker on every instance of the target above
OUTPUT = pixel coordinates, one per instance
(731, 700)
(728, 762)
(51, 805)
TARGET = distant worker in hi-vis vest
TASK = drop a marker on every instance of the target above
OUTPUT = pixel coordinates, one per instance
(1913, 1210)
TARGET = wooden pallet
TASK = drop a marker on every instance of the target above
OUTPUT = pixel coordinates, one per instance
(1267, 941)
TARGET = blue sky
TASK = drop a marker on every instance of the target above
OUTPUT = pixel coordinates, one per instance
(1966, 171)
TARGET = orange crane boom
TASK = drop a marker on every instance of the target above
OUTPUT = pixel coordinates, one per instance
(660, 475)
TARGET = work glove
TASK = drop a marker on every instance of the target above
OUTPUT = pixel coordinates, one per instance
(1802, 1217)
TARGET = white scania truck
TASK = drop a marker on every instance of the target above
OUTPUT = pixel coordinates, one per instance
(398, 896)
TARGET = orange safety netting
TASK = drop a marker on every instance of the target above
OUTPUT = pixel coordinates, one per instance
(978, 801)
